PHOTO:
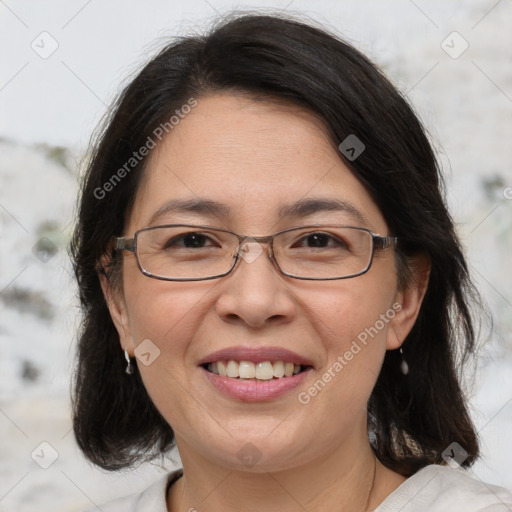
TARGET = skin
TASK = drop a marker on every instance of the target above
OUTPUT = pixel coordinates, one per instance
(254, 156)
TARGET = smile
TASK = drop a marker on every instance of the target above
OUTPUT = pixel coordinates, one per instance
(248, 370)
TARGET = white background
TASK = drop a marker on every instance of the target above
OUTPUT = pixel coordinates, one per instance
(465, 103)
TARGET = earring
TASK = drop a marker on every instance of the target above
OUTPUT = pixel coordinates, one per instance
(404, 367)
(129, 368)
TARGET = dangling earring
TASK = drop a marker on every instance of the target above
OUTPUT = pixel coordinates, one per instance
(129, 367)
(404, 367)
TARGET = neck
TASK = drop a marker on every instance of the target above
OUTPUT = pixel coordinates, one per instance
(344, 480)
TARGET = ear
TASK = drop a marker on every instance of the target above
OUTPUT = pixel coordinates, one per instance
(118, 310)
(408, 302)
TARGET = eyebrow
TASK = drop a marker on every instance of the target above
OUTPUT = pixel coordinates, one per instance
(306, 207)
(199, 206)
(301, 208)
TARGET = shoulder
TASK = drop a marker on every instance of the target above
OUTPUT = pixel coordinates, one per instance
(152, 499)
(444, 489)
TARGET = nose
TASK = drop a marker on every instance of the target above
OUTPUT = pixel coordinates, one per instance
(255, 293)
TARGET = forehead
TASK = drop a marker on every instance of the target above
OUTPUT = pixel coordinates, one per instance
(255, 157)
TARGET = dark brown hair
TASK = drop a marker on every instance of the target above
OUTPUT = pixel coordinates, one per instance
(412, 418)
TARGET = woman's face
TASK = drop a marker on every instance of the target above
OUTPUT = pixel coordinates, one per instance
(254, 158)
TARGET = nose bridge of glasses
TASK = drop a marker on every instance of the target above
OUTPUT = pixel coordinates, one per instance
(249, 247)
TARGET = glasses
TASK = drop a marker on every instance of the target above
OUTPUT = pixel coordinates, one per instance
(184, 252)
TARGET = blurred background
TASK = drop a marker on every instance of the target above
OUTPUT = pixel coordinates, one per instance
(62, 64)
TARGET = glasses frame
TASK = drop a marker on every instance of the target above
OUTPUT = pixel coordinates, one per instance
(379, 242)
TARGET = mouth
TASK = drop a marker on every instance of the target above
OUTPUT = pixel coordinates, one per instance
(255, 371)
(255, 374)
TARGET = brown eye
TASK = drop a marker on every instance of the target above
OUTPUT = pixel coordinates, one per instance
(188, 241)
(321, 241)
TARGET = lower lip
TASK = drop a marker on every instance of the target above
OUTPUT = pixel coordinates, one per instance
(255, 390)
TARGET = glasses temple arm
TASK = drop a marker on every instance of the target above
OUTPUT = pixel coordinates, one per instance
(125, 244)
(382, 242)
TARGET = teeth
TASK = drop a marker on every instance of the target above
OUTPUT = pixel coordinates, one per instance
(232, 369)
(265, 370)
(278, 368)
(221, 368)
(246, 370)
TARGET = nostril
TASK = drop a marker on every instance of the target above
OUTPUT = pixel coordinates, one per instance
(232, 316)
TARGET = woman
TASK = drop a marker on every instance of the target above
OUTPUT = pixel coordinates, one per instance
(271, 281)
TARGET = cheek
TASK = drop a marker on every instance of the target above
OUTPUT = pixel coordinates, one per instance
(167, 313)
(345, 311)
(164, 318)
(352, 324)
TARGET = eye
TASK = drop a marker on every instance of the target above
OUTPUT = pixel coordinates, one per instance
(188, 241)
(321, 241)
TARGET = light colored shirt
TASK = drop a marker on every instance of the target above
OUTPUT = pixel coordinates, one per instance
(432, 489)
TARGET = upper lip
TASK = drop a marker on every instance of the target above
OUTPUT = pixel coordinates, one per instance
(256, 355)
